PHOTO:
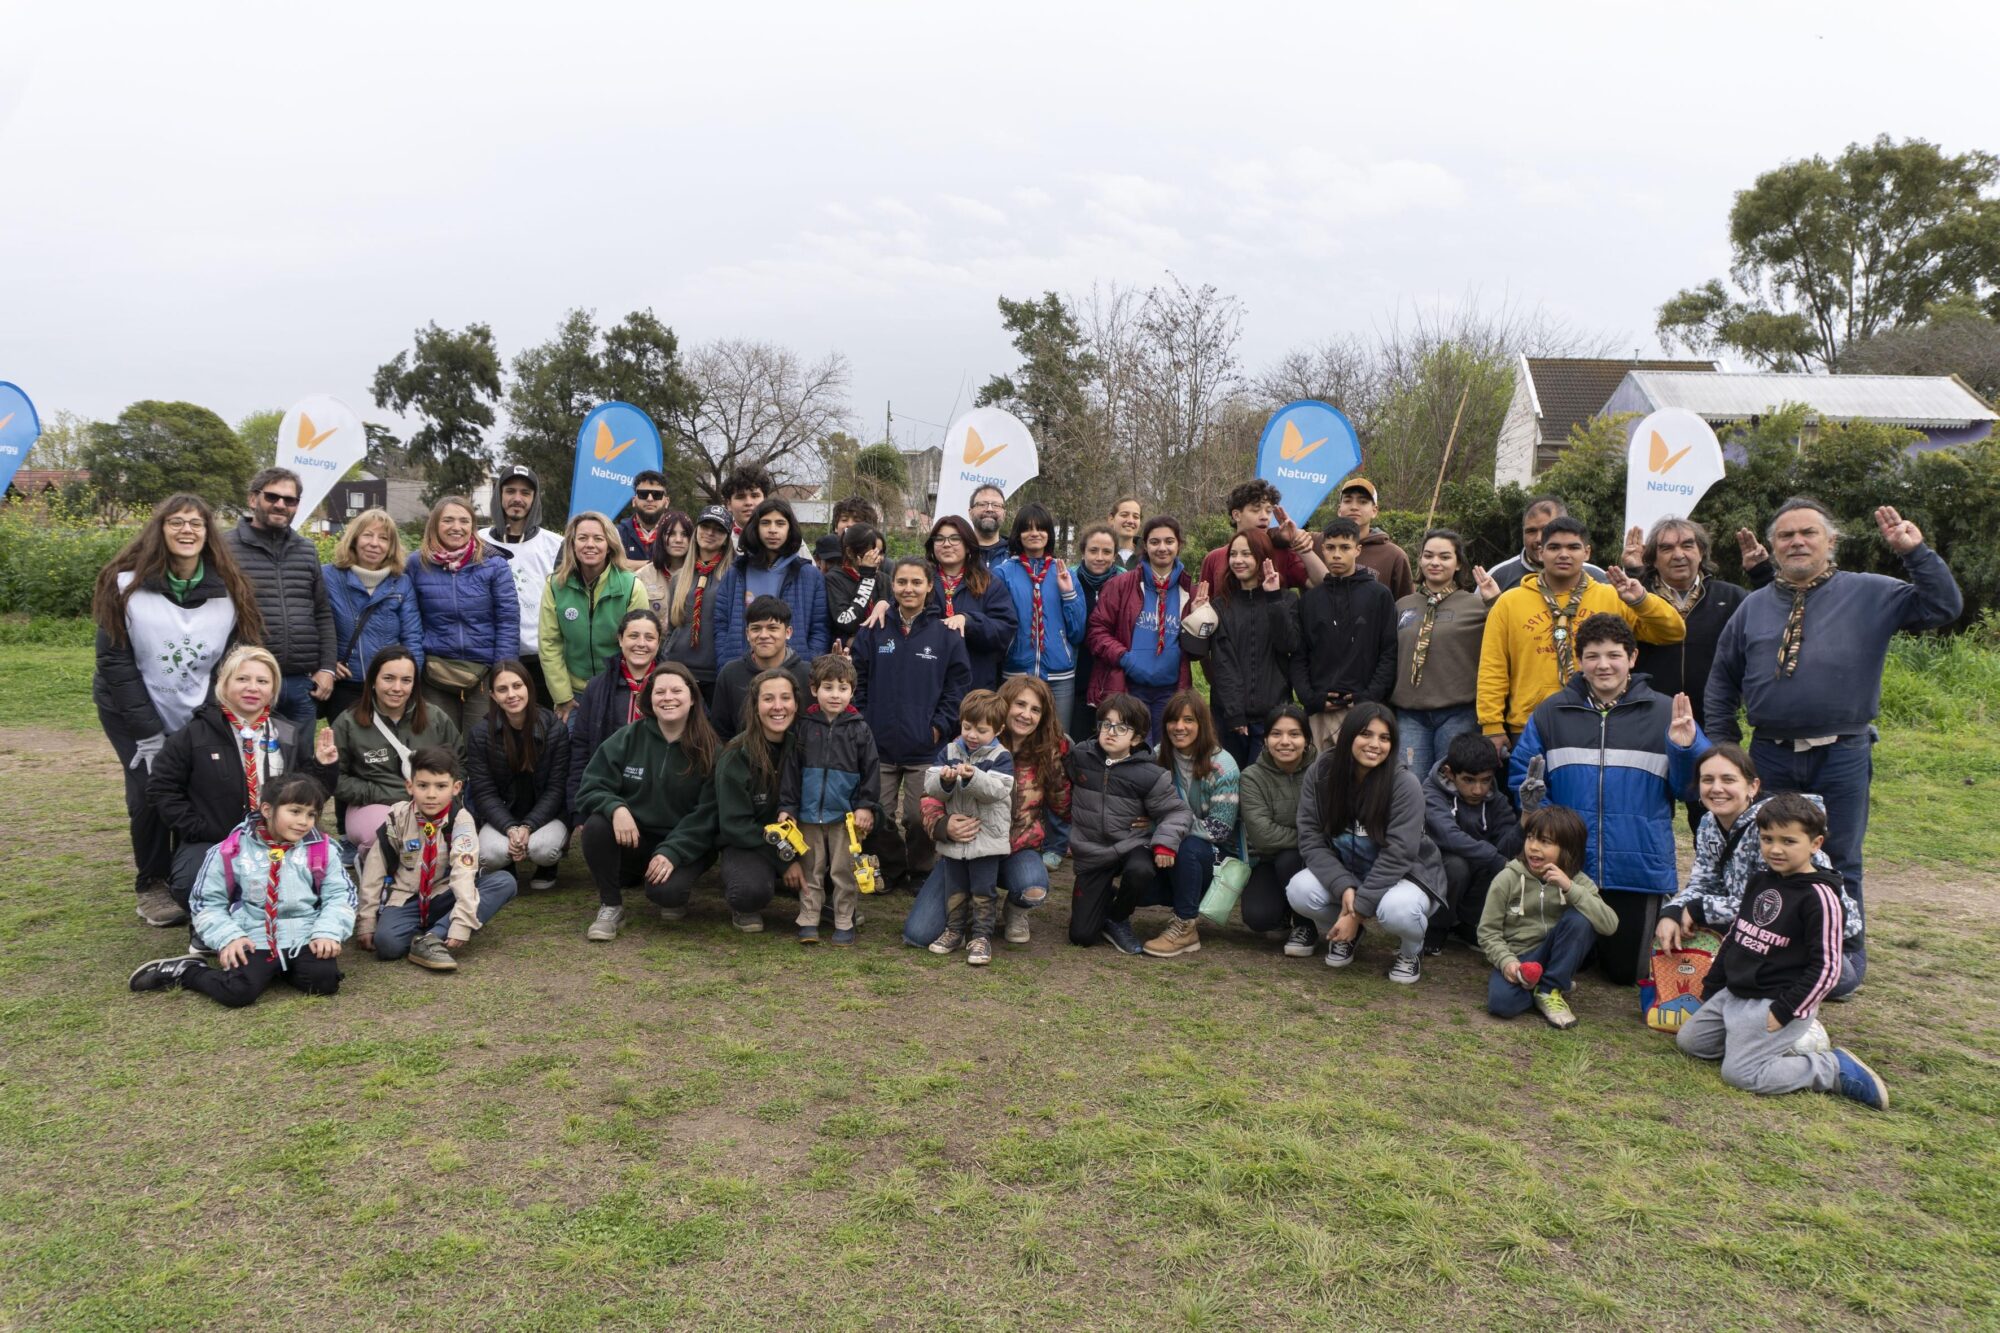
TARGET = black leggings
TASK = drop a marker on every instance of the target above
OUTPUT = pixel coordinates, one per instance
(1264, 904)
(1095, 903)
(612, 867)
(241, 985)
(152, 840)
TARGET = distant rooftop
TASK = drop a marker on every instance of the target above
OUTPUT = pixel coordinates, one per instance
(1569, 391)
(1922, 402)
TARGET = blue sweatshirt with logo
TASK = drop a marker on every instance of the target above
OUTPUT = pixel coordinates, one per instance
(908, 684)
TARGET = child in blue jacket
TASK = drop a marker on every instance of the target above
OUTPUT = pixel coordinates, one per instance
(834, 771)
(272, 900)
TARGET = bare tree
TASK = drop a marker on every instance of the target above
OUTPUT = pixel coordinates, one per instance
(1187, 370)
(1341, 371)
(759, 403)
(1109, 317)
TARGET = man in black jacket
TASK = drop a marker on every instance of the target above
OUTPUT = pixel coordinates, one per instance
(1347, 636)
(284, 569)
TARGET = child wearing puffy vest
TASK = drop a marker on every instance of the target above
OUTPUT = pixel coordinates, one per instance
(272, 901)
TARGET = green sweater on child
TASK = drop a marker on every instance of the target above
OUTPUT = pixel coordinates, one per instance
(1521, 909)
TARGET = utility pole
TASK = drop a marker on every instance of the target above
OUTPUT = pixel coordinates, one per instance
(889, 422)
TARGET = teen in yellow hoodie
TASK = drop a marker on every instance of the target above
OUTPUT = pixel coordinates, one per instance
(1525, 655)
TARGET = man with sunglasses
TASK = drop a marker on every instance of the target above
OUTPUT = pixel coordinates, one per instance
(641, 527)
(284, 568)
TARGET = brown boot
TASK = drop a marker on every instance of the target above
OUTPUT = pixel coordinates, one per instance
(1178, 938)
(985, 912)
(955, 928)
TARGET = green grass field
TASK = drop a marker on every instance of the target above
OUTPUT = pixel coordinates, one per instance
(696, 1128)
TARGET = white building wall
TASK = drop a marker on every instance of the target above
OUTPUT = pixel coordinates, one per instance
(1520, 433)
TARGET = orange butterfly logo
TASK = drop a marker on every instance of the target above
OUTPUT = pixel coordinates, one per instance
(606, 449)
(977, 451)
(1293, 446)
(1658, 458)
(308, 437)
(4, 420)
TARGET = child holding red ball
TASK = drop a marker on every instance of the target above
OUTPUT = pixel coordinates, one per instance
(1540, 918)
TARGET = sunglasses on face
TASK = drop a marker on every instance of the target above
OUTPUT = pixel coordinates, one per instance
(279, 498)
(650, 495)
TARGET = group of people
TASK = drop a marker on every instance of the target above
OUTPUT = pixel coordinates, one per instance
(1427, 747)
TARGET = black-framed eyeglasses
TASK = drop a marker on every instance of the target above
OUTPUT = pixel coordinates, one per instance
(650, 495)
(944, 539)
(279, 498)
(1116, 728)
(184, 525)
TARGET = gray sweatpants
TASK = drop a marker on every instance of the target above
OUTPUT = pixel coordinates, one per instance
(1404, 911)
(1753, 1057)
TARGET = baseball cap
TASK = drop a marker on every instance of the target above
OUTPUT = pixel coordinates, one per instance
(719, 516)
(519, 472)
(827, 548)
(1360, 484)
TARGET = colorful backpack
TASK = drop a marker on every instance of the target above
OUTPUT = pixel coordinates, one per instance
(317, 854)
(1671, 994)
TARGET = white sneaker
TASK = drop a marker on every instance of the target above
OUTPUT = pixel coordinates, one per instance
(1016, 929)
(1813, 1041)
(605, 927)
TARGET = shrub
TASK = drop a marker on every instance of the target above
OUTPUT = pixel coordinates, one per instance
(49, 557)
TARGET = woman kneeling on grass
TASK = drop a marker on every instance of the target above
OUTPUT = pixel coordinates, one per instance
(1033, 735)
(272, 900)
(517, 780)
(648, 802)
(1270, 806)
(1206, 780)
(748, 774)
(1361, 835)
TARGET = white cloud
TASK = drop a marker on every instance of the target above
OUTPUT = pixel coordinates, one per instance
(976, 210)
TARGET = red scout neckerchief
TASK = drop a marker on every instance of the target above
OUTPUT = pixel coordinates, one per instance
(1037, 632)
(432, 827)
(246, 737)
(1160, 587)
(639, 530)
(701, 573)
(277, 850)
(950, 583)
(634, 704)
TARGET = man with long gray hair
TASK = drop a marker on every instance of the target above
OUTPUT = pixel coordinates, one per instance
(1804, 657)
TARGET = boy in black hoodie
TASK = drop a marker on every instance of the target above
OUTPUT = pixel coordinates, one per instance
(1347, 636)
(1468, 815)
(767, 625)
(1779, 960)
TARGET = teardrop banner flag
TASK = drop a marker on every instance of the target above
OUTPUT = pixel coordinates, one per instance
(320, 439)
(985, 447)
(1673, 459)
(615, 444)
(1306, 447)
(19, 429)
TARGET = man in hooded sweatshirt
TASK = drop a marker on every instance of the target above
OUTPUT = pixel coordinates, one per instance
(531, 551)
(1359, 501)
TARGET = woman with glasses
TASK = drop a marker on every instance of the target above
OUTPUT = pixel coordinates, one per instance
(1048, 607)
(373, 603)
(969, 600)
(167, 607)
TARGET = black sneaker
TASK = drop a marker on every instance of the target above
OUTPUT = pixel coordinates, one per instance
(1119, 935)
(163, 973)
(1302, 940)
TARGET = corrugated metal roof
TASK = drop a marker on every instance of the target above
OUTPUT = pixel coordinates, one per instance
(1932, 402)
(1571, 390)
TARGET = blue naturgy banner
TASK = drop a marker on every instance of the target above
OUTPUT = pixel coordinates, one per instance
(19, 429)
(1306, 447)
(615, 444)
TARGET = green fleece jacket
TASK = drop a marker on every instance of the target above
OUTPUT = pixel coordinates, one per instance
(642, 771)
(1521, 909)
(743, 806)
(371, 772)
(1270, 806)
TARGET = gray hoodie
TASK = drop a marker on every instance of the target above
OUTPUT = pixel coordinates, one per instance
(1404, 851)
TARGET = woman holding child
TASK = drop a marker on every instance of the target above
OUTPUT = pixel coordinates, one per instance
(1367, 856)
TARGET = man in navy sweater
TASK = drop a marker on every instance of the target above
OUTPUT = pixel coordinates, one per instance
(1804, 657)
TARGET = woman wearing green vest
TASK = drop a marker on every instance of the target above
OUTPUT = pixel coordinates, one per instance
(592, 588)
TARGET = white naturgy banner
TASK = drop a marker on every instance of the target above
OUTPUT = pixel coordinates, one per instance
(1674, 458)
(320, 439)
(985, 447)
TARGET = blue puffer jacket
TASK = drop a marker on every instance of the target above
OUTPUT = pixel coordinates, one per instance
(909, 685)
(469, 614)
(1618, 770)
(394, 620)
(1062, 620)
(306, 911)
(801, 588)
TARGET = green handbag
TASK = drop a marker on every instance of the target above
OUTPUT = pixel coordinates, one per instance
(1231, 875)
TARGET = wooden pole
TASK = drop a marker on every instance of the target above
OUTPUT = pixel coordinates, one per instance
(1450, 440)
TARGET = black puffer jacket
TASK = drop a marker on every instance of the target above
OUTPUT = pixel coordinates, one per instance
(600, 714)
(1114, 808)
(1347, 638)
(197, 781)
(502, 798)
(119, 688)
(291, 592)
(1248, 659)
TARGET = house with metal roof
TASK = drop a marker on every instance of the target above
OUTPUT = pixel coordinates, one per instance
(1941, 406)
(1554, 393)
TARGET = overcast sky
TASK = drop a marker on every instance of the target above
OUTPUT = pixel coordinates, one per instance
(238, 205)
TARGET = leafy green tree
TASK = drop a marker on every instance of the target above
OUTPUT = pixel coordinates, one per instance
(259, 433)
(1956, 338)
(451, 381)
(1050, 392)
(64, 438)
(641, 364)
(1829, 254)
(882, 476)
(156, 449)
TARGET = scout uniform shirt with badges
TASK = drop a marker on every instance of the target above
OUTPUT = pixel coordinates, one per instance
(433, 858)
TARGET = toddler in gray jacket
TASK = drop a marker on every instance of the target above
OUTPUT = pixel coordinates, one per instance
(974, 776)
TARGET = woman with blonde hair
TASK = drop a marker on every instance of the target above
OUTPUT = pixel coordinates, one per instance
(211, 773)
(593, 587)
(465, 597)
(373, 602)
(167, 608)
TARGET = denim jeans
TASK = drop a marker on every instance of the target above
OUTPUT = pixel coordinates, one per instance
(1155, 698)
(1839, 775)
(1427, 734)
(396, 926)
(1404, 911)
(1182, 884)
(1023, 878)
(296, 703)
(1560, 952)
